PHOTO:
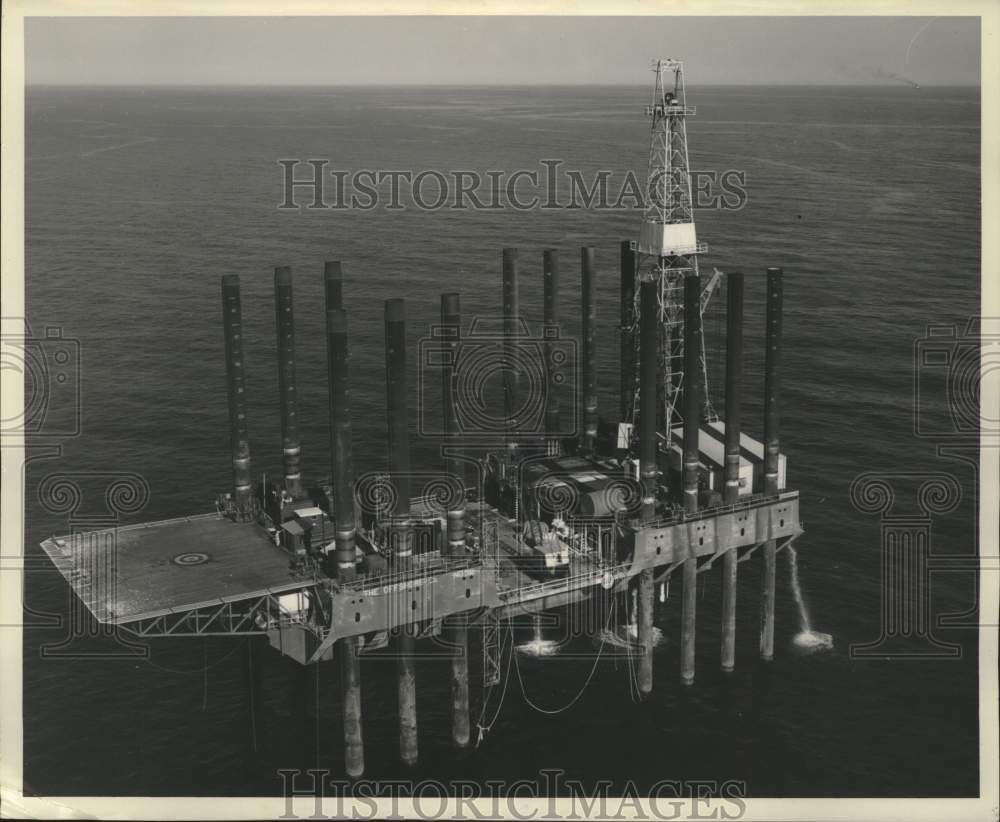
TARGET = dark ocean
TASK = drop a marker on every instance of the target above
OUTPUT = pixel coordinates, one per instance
(138, 200)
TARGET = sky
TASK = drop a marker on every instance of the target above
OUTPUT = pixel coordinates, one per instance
(499, 50)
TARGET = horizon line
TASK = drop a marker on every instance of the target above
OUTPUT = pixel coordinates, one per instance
(405, 84)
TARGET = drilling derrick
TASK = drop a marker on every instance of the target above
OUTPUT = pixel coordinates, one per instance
(668, 245)
(346, 567)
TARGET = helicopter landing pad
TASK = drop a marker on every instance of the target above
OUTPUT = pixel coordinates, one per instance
(141, 571)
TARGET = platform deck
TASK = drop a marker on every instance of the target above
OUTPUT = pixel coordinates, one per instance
(142, 571)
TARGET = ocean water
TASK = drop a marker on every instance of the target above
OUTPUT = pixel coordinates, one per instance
(138, 200)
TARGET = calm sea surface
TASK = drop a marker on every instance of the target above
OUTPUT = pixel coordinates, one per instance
(139, 200)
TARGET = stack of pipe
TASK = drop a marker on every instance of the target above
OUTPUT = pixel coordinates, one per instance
(511, 329)
(236, 385)
(589, 305)
(450, 340)
(451, 324)
(627, 266)
(284, 323)
(734, 379)
(550, 283)
(648, 378)
(401, 531)
(333, 284)
(692, 420)
(341, 452)
(772, 388)
(342, 475)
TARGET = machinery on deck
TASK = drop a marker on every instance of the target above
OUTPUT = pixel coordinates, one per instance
(533, 517)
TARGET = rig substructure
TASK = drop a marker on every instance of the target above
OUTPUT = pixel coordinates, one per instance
(557, 513)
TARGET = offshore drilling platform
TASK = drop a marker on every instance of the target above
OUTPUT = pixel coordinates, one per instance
(558, 514)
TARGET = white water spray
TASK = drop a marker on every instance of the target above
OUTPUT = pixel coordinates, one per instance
(807, 639)
(538, 646)
(628, 634)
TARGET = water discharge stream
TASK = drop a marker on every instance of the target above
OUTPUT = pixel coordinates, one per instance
(806, 639)
(538, 646)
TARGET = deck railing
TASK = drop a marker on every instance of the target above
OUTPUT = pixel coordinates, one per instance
(598, 575)
(748, 503)
(440, 565)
